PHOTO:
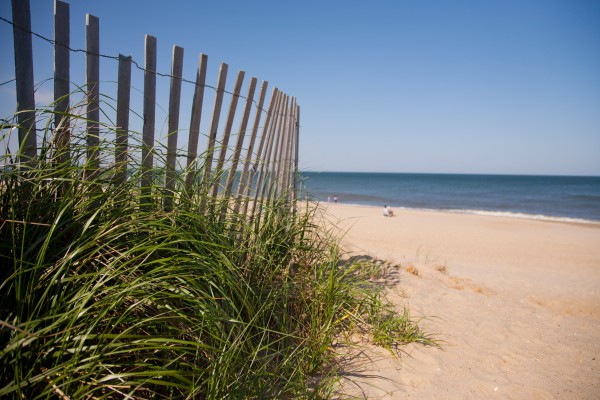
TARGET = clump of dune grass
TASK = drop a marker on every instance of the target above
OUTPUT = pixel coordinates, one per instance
(104, 294)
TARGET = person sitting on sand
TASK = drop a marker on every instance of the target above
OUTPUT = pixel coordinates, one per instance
(387, 212)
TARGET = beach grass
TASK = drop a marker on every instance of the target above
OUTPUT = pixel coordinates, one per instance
(104, 294)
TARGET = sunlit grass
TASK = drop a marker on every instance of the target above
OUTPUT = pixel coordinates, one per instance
(103, 297)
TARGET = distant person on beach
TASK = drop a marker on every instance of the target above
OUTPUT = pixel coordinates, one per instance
(387, 212)
(335, 199)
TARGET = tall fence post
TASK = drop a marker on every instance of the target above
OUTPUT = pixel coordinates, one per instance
(173, 125)
(212, 135)
(24, 80)
(149, 120)
(245, 176)
(122, 130)
(227, 132)
(61, 79)
(296, 156)
(293, 154)
(92, 87)
(194, 136)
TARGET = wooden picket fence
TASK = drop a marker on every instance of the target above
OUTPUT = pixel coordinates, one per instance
(268, 171)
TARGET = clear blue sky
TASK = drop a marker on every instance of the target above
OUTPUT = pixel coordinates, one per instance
(463, 86)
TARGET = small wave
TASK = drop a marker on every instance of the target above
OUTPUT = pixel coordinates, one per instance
(506, 214)
(525, 216)
(509, 214)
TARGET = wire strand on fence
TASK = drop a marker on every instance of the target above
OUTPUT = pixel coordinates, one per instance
(8, 81)
(161, 74)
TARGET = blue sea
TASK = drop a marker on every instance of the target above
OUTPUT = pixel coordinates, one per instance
(562, 198)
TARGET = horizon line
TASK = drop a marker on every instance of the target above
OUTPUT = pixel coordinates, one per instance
(453, 173)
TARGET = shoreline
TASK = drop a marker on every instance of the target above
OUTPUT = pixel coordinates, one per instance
(486, 213)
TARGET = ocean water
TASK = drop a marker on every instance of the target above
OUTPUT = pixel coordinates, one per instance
(566, 198)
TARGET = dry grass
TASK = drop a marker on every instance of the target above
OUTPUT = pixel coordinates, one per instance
(412, 269)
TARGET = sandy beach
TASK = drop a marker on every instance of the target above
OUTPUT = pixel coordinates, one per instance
(515, 301)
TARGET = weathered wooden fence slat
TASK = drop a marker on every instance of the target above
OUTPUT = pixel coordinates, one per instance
(227, 131)
(173, 125)
(287, 159)
(296, 155)
(149, 115)
(61, 79)
(283, 158)
(122, 129)
(290, 145)
(24, 81)
(274, 174)
(292, 153)
(212, 134)
(195, 119)
(92, 90)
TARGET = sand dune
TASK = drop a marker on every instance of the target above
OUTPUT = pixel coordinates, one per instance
(516, 301)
